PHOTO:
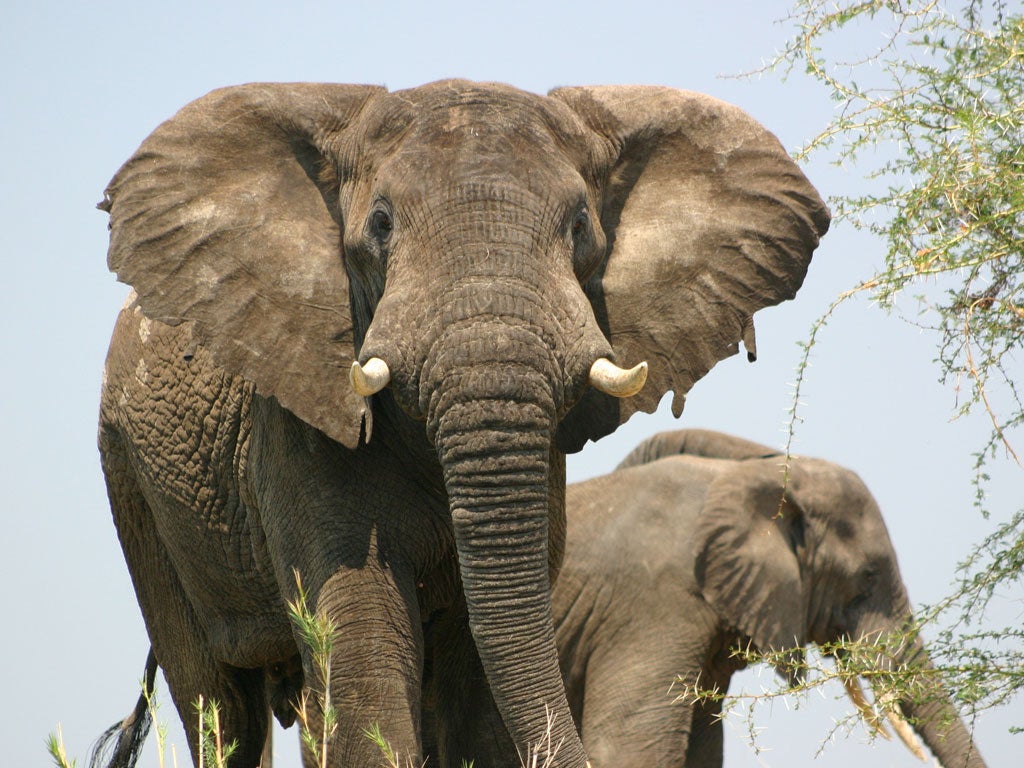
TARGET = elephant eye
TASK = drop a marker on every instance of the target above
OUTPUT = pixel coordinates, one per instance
(585, 249)
(380, 224)
(579, 224)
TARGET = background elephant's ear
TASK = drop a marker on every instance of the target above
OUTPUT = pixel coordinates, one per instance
(221, 219)
(708, 220)
(749, 545)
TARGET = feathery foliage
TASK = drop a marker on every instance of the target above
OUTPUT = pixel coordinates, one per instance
(932, 116)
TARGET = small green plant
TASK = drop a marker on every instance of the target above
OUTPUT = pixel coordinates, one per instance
(122, 742)
(317, 632)
(213, 753)
(161, 726)
(373, 733)
(55, 746)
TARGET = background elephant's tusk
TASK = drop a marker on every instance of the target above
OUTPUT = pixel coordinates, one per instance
(871, 717)
(607, 377)
(371, 378)
(902, 728)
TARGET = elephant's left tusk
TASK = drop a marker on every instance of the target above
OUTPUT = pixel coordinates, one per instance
(607, 377)
(371, 378)
(871, 717)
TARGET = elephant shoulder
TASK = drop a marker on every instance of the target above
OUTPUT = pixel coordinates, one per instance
(155, 372)
(639, 521)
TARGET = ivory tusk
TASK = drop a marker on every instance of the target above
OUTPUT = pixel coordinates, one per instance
(607, 377)
(871, 717)
(371, 378)
(905, 732)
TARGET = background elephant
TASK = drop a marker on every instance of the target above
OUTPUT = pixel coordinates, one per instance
(688, 551)
(474, 254)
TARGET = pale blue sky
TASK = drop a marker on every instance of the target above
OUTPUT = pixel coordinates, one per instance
(84, 83)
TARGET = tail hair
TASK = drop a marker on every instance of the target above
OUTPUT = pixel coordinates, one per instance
(131, 732)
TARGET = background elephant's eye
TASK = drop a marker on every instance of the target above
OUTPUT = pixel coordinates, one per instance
(865, 586)
(380, 224)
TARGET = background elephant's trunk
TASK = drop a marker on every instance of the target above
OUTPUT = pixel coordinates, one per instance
(923, 702)
(933, 716)
(495, 453)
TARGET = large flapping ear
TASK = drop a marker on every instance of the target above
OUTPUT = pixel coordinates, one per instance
(220, 219)
(696, 442)
(749, 544)
(708, 220)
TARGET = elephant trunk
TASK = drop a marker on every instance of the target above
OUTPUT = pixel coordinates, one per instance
(931, 713)
(495, 449)
(920, 705)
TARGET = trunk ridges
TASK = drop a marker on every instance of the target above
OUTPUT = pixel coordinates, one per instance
(495, 453)
(934, 718)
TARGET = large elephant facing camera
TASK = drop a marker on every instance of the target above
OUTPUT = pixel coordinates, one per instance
(688, 551)
(476, 256)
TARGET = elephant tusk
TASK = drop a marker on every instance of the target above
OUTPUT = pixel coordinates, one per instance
(905, 732)
(607, 377)
(871, 717)
(371, 378)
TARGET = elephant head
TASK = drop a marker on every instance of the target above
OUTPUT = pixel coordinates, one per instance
(475, 255)
(804, 557)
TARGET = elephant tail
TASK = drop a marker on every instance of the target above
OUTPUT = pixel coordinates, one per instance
(130, 732)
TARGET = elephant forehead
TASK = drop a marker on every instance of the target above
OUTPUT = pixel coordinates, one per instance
(446, 123)
(456, 103)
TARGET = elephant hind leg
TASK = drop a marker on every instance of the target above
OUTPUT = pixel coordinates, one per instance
(179, 641)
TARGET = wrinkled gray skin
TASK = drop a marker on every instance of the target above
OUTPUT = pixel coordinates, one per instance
(489, 245)
(683, 554)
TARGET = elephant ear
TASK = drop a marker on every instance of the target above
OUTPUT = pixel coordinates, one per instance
(750, 546)
(220, 220)
(707, 219)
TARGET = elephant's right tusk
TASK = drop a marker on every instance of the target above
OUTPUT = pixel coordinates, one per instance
(607, 377)
(371, 378)
(904, 731)
(871, 717)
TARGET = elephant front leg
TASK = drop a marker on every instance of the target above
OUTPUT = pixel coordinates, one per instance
(631, 716)
(370, 681)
